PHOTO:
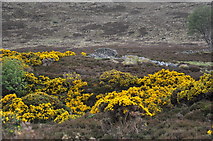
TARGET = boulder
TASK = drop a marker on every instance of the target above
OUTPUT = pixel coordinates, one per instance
(144, 60)
(47, 61)
(161, 63)
(184, 66)
(133, 60)
(130, 60)
(114, 61)
(104, 53)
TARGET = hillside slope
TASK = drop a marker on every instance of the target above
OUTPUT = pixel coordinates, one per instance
(89, 24)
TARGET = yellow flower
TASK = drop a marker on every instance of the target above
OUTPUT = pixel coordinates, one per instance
(83, 53)
(6, 119)
(209, 132)
(35, 58)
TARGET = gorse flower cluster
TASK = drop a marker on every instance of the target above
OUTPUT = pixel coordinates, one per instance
(38, 108)
(15, 107)
(195, 88)
(55, 86)
(35, 58)
(170, 79)
(154, 93)
(83, 53)
(68, 89)
(117, 80)
(147, 102)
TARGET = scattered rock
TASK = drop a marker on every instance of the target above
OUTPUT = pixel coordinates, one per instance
(130, 60)
(65, 137)
(47, 61)
(134, 60)
(114, 61)
(104, 53)
(92, 138)
(144, 60)
(161, 63)
(183, 66)
(107, 53)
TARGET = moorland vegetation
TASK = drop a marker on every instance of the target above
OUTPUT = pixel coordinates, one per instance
(41, 99)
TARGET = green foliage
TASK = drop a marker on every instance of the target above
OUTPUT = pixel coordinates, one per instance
(13, 77)
(199, 21)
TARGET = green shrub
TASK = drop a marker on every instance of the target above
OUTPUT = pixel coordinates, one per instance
(13, 77)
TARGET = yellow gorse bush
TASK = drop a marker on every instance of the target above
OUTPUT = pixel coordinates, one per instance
(209, 132)
(68, 89)
(147, 102)
(43, 112)
(83, 53)
(42, 83)
(171, 79)
(195, 88)
(55, 86)
(155, 92)
(116, 79)
(35, 58)
(65, 115)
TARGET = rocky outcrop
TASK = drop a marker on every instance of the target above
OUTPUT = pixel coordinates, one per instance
(47, 61)
(133, 60)
(104, 53)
